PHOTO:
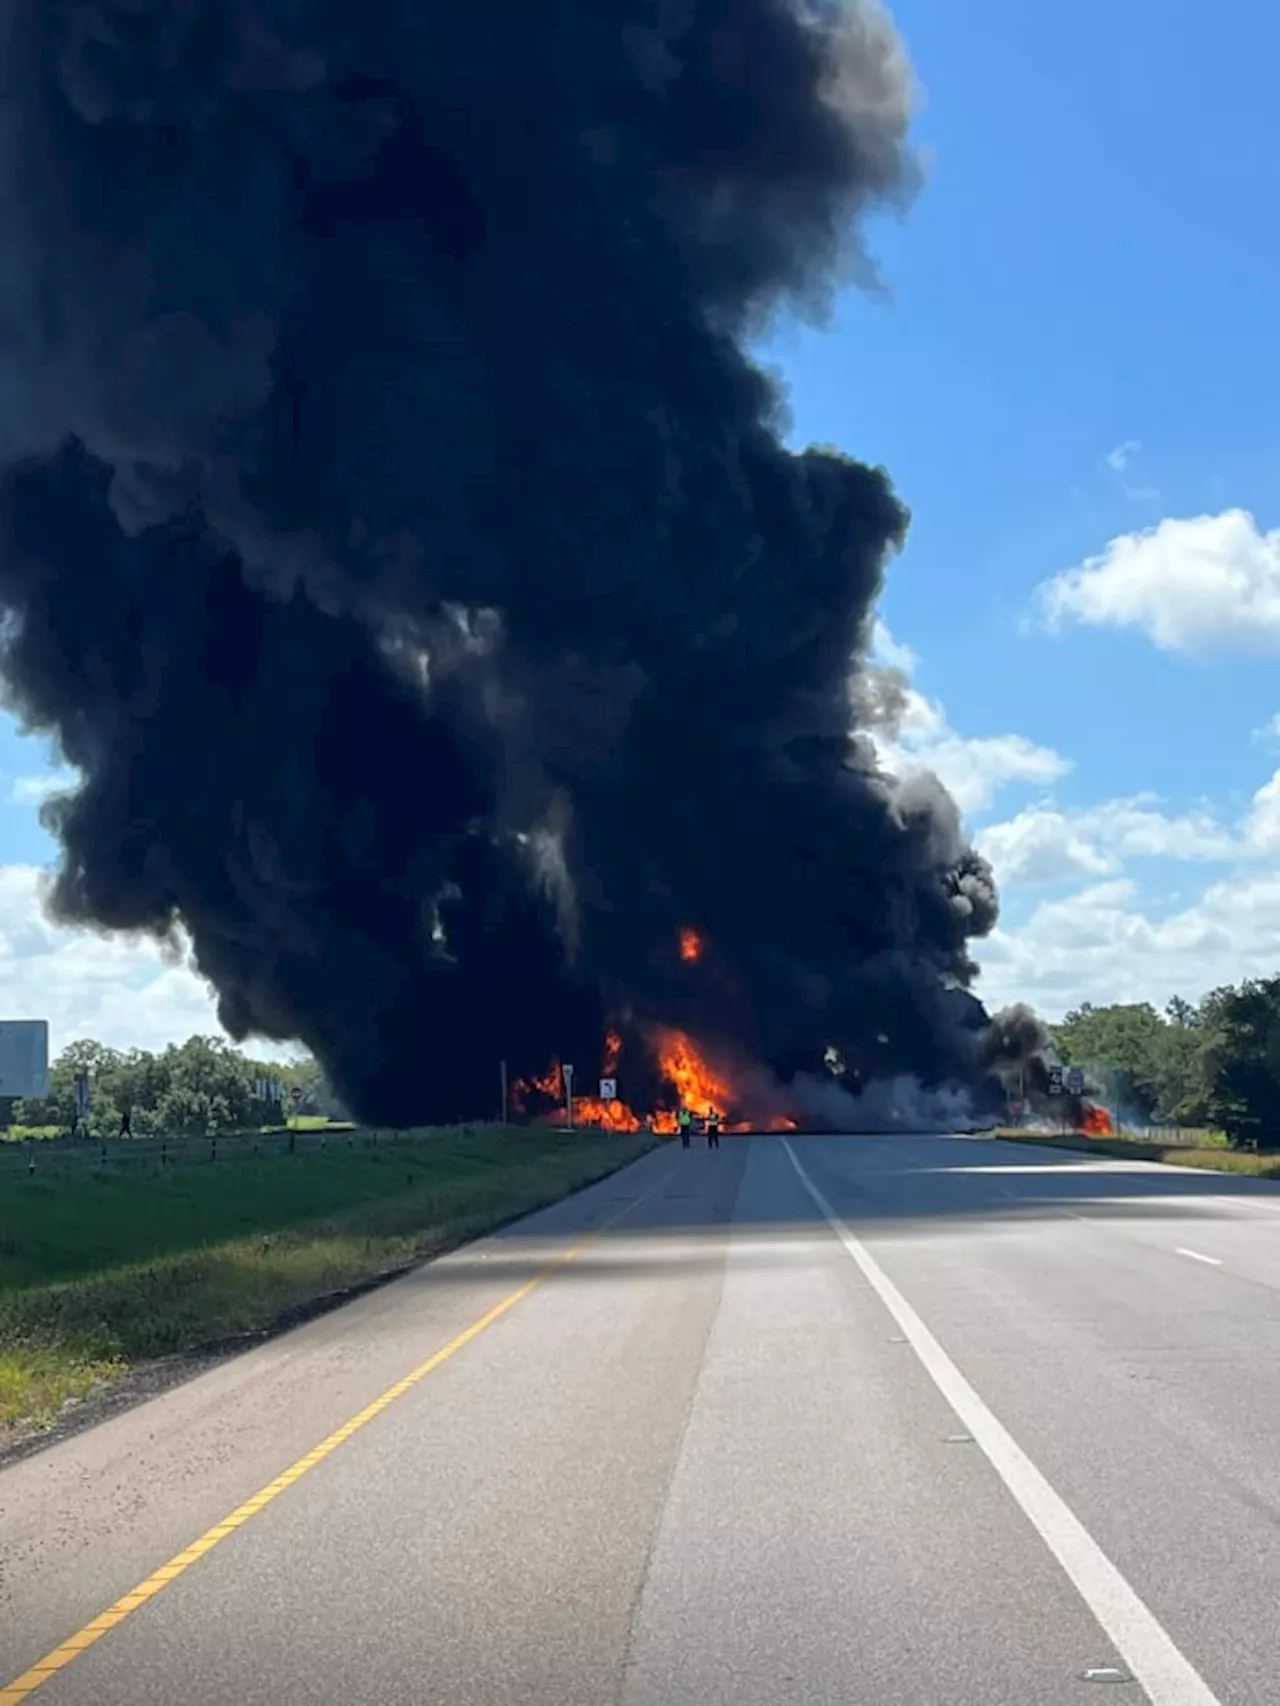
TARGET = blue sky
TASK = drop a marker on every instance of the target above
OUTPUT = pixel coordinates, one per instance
(1070, 378)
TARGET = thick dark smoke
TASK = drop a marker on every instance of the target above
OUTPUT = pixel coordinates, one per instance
(401, 543)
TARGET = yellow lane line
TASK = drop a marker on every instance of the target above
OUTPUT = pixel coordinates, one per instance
(22, 1687)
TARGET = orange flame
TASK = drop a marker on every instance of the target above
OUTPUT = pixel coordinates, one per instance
(690, 945)
(609, 1116)
(1096, 1122)
(551, 1083)
(699, 1086)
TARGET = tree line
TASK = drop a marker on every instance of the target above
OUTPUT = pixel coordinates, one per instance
(1215, 1063)
(202, 1087)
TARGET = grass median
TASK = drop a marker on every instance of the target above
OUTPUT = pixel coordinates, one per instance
(1214, 1157)
(100, 1272)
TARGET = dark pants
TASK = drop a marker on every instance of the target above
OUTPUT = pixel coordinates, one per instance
(713, 1139)
(684, 1137)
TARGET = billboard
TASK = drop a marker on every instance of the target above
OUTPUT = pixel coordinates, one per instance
(24, 1057)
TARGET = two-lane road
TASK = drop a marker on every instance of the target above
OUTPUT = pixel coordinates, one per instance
(878, 1421)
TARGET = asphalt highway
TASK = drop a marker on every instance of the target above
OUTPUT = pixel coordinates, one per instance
(876, 1421)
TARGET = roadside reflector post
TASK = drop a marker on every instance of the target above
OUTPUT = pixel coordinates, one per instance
(568, 1093)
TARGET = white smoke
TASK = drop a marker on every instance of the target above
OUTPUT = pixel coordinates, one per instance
(885, 1105)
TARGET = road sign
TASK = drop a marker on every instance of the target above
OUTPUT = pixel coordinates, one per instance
(296, 1092)
(1075, 1080)
(24, 1057)
(1055, 1080)
(608, 1089)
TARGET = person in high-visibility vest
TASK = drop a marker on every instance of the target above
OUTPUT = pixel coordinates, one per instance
(685, 1121)
(713, 1130)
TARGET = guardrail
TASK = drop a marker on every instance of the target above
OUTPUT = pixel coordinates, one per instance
(32, 1157)
(1172, 1137)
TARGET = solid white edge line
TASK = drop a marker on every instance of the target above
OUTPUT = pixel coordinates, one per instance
(1213, 1261)
(1156, 1663)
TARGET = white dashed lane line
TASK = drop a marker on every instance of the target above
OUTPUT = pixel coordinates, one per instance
(1156, 1663)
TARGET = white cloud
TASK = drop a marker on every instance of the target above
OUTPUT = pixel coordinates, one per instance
(1270, 730)
(974, 770)
(889, 652)
(1110, 939)
(917, 738)
(1044, 845)
(116, 989)
(1101, 945)
(1210, 583)
(33, 790)
(1119, 459)
(1261, 828)
(1105, 942)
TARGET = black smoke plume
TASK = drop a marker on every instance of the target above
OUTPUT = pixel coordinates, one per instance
(401, 542)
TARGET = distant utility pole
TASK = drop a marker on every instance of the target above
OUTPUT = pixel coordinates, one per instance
(568, 1093)
(502, 1075)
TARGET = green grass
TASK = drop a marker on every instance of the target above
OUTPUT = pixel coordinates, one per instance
(296, 1122)
(1214, 1153)
(100, 1271)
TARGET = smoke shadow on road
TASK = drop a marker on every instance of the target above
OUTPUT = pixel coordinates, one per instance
(879, 1186)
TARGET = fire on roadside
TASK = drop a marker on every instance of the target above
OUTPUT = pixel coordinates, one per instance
(550, 1083)
(1095, 1122)
(695, 1084)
